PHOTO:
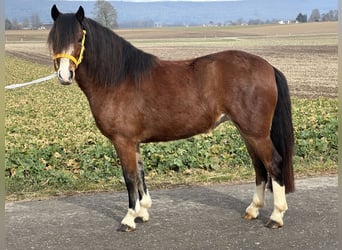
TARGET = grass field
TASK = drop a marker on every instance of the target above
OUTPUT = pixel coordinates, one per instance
(53, 146)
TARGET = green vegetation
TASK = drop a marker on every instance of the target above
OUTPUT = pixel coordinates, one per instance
(53, 145)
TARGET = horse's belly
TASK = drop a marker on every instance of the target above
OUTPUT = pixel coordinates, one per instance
(177, 128)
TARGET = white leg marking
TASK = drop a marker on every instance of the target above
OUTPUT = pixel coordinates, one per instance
(280, 205)
(258, 201)
(139, 211)
(131, 215)
(145, 203)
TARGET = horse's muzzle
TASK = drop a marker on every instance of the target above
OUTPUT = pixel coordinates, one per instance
(65, 78)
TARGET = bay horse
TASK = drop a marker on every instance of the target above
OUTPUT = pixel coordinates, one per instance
(135, 98)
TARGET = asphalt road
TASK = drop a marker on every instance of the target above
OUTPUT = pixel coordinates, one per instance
(200, 217)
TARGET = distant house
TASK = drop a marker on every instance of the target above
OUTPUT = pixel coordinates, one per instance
(47, 26)
(284, 22)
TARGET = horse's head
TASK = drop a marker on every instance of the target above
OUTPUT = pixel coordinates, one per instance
(67, 43)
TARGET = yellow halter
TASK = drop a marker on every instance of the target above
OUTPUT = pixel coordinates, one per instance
(71, 57)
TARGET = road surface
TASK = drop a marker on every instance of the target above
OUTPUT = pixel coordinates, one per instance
(198, 217)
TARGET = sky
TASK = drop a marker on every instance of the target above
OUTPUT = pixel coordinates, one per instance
(155, 0)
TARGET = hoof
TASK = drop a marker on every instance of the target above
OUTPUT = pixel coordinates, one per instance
(139, 220)
(247, 216)
(273, 224)
(125, 228)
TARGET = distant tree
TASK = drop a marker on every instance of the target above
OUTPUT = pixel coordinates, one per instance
(15, 25)
(240, 21)
(105, 14)
(255, 22)
(315, 16)
(301, 18)
(35, 21)
(332, 15)
(26, 23)
(8, 24)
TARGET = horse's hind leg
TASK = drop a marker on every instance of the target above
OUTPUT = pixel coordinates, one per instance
(264, 150)
(258, 201)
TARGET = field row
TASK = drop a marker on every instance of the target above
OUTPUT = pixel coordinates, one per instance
(197, 32)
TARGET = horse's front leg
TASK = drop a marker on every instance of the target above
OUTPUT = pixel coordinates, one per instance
(144, 196)
(138, 197)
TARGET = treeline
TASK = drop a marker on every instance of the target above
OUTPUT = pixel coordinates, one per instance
(34, 21)
(28, 23)
(316, 16)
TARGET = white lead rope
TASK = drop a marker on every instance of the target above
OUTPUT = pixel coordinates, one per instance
(19, 85)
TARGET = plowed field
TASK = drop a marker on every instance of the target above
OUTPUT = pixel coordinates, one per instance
(306, 53)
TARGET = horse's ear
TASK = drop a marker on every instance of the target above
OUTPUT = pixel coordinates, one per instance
(80, 14)
(55, 12)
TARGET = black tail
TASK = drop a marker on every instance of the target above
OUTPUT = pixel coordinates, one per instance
(282, 131)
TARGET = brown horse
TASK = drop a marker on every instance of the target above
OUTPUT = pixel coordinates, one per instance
(137, 98)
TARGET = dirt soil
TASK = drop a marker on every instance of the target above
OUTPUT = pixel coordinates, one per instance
(311, 70)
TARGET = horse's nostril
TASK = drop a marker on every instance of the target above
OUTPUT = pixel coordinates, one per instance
(71, 75)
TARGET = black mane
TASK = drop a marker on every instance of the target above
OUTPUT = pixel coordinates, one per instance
(108, 58)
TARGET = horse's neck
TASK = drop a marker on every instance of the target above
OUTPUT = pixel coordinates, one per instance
(86, 85)
(94, 91)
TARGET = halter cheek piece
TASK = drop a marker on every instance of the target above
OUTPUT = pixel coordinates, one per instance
(71, 57)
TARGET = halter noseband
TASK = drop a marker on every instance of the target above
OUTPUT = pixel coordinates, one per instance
(71, 57)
